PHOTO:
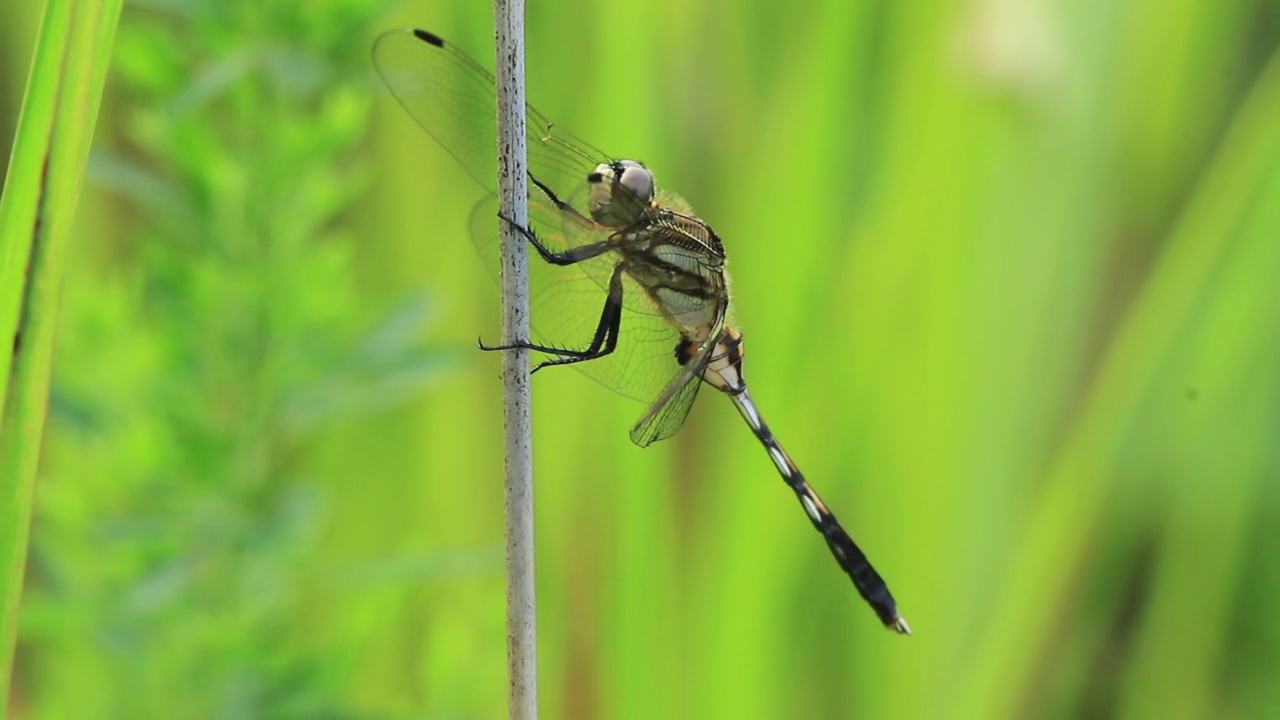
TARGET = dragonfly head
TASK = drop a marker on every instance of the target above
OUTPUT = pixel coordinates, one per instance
(620, 192)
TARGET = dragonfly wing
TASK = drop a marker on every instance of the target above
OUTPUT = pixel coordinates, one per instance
(667, 413)
(452, 97)
(447, 93)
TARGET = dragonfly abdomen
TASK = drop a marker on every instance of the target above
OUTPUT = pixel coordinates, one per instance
(848, 555)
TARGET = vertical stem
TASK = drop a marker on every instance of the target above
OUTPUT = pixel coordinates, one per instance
(512, 183)
(42, 186)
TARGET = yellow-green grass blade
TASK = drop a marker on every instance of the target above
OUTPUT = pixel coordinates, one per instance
(1200, 320)
(41, 188)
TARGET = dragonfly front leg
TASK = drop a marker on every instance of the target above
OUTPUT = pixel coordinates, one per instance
(559, 257)
(564, 207)
(603, 342)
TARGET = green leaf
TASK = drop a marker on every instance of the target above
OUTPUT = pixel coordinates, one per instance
(41, 189)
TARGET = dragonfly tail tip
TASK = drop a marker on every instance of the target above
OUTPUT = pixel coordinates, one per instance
(900, 625)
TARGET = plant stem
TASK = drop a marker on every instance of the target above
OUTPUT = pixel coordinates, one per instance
(522, 644)
(43, 184)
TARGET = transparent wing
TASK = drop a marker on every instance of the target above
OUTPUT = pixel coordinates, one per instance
(451, 96)
(667, 413)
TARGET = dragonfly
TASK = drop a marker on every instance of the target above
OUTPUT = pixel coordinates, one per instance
(632, 288)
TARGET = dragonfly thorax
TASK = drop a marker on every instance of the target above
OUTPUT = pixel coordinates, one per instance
(621, 191)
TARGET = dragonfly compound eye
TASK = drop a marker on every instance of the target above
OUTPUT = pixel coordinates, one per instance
(621, 192)
(636, 178)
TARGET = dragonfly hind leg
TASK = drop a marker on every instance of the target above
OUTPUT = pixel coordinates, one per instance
(603, 342)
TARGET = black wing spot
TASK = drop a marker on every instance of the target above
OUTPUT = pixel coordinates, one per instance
(429, 38)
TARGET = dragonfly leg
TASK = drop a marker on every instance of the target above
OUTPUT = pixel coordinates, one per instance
(563, 206)
(603, 342)
(562, 257)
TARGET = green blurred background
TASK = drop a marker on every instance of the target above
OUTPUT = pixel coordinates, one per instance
(1008, 272)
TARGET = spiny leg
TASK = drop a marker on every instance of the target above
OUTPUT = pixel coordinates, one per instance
(561, 205)
(559, 257)
(603, 342)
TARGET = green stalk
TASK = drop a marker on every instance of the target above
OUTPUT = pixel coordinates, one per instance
(1215, 239)
(43, 184)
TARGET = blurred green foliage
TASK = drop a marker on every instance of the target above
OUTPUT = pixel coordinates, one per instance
(1006, 272)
